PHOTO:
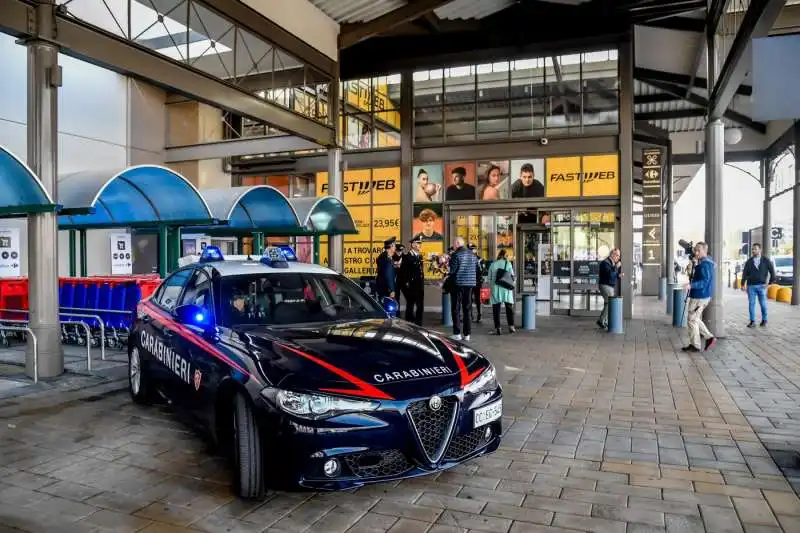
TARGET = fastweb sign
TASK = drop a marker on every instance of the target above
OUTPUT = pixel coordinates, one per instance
(582, 176)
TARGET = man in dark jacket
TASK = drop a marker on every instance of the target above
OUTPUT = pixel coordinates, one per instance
(758, 272)
(385, 275)
(412, 274)
(701, 288)
(476, 294)
(607, 280)
(464, 271)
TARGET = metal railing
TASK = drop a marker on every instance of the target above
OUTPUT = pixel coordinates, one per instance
(75, 322)
(29, 331)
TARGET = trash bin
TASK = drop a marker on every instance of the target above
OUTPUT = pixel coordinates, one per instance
(529, 312)
(678, 307)
(615, 315)
(447, 317)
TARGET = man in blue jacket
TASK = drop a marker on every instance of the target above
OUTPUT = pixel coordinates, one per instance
(607, 281)
(701, 288)
(464, 272)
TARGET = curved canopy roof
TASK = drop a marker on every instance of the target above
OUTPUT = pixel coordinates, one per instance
(21, 192)
(325, 216)
(139, 196)
(254, 208)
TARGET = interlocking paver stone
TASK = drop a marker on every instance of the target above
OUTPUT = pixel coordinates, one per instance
(606, 434)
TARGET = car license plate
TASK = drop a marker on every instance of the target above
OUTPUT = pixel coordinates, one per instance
(488, 413)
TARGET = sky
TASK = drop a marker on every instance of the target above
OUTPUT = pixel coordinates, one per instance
(743, 207)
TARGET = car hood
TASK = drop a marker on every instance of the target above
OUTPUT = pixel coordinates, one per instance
(377, 358)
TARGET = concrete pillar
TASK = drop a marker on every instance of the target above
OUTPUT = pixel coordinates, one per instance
(407, 153)
(715, 161)
(796, 221)
(44, 78)
(766, 224)
(336, 188)
(669, 254)
(626, 172)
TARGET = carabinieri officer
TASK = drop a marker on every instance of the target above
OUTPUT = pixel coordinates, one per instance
(385, 278)
(413, 278)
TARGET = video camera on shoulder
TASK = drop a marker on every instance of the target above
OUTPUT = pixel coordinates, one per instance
(688, 248)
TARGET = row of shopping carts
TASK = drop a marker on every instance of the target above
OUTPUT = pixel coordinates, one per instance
(92, 310)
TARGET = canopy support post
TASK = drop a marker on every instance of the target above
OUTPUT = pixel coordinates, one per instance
(316, 248)
(258, 243)
(240, 245)
(84, 257)
(174, 251)
(163, 251)
(73, 253)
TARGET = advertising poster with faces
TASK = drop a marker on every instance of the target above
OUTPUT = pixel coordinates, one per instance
(527, 178)
(429, 184)
(428, 223)
(459, 180)
(493, 180)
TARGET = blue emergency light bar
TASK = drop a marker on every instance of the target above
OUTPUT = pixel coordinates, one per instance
(288, 252)
(274, 257)
(211, 253)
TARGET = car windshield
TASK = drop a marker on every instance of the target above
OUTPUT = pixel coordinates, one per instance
(293, 298)
(783, 262)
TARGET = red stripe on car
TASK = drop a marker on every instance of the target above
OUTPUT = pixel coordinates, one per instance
(466, 376)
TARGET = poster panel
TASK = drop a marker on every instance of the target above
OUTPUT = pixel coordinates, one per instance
(386, 185)
(493, 180)
(385, 222)
(601, 175)
(120, 254)
(362, 216)
(10, 261)
(429, 185)
(460, 181)
(432, 252)
(527, 178)
(563, 177)
(428, 223)
(357, 261)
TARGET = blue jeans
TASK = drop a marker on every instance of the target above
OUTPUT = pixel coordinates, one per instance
(760, 292)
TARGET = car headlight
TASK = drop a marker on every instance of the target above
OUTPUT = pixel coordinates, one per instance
(316, 405)
(487, 380)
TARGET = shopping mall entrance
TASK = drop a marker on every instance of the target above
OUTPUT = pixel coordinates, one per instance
(556, 253)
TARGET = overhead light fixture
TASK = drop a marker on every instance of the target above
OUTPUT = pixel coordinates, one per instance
(733, 136)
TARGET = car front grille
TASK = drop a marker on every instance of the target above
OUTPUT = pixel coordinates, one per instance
(433, 428)
(463, 445)
(378, 464)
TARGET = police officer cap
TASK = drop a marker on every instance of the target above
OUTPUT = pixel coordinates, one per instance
(415, 238)
(388, 242)
(400, 247)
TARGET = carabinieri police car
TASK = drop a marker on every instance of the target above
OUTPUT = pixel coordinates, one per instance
(305, 380)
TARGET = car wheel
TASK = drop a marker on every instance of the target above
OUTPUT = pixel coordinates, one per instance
(247, 452)
(137, 378)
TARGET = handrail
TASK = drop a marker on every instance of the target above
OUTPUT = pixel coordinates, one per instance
(88, 337)
(30, 332)
(77, 322)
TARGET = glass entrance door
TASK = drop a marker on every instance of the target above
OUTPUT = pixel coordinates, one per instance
(490, 232)
(581, 239)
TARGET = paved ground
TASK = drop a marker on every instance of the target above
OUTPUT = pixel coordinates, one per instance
(617, 434)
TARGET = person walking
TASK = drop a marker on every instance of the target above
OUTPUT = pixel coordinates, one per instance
(501, 293)
(758, 272)
(412, 275)
(607, 280)
(701, 288)
(464, 274)
(385, 280)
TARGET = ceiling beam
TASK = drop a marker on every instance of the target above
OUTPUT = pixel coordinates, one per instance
(355, 33)
(757, 21)
(696, 99)
(677, 23)
(655, 98)
(237, 147)
(672, 114)
(646, 74)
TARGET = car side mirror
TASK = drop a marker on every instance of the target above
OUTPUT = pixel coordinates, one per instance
(390, 306)
(194, 315)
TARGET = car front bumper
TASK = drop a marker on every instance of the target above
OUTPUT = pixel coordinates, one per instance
(402, 439)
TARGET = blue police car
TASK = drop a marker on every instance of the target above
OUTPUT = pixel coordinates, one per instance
(305, 380)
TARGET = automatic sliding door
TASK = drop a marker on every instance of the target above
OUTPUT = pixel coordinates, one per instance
(593, 239)
(561, 231)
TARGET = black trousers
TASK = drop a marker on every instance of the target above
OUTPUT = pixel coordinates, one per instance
(460, 302)
(415, 299)
(476, 296)
(509, 314)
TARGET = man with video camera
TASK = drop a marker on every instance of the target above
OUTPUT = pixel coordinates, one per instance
(701, 288)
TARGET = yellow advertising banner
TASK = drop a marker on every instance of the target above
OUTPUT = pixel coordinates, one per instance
(362, 96)
(386, 185)
(385, 222)
(362, 216)
(357, 260)
(563, 177)
(601, 175)
(356, 186)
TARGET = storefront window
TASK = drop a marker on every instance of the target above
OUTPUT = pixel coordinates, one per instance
(572, 94)
(370, 113)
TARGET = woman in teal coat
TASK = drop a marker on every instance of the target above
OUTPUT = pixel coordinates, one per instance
(501, 295)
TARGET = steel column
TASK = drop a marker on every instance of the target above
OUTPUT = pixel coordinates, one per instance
(44, 78)
(715, 148)
(626, 90)
(335, 188)
(83, 244)
(163, 251)
(670, 218)
(406, 153)
(796, 220)
(766, 224)
(73, 253)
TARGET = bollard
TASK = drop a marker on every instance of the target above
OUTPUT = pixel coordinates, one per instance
(529, 312)
(678, 307)
(615, 315)
(670, 289)
(662, 288)
(447, 317)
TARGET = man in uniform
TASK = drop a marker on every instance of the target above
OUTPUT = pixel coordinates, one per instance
(385, 279)
(413, 275)
(397, 261)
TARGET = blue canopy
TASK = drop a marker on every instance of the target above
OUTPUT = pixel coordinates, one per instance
(21, 192)
(324, 216)
(254, 208)
(139, 196)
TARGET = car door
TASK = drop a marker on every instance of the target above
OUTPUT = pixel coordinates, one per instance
(159, 333)
(193, 346)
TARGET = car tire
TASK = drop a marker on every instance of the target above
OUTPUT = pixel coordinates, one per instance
(247, 452)
(138, 384)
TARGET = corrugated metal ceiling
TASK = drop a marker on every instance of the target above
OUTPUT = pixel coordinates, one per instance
(355, 11)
